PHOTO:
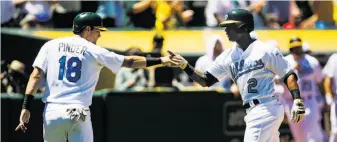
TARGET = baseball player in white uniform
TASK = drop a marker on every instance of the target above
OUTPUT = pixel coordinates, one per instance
(252, 65)
(310, 76)
(330, 87)
(72, 66)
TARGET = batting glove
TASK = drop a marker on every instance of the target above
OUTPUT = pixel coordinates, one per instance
(182, 63)
(297, 111)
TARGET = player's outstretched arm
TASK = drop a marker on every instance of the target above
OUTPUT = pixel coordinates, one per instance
(204, 79)
(32, 86)
(143, 62)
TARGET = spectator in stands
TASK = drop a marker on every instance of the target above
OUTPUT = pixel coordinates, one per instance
(285, 12)
(159, 14)
(15, 80)
(305, 11)
(112, 13)
(140, 13)
(169, 12)
(216, 10)
(55, 6)
(64, 13)
(322, 17)
(36, 13)
(131, 79)
(67, 6)
(7, 14)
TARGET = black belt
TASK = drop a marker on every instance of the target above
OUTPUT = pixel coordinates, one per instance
(247, 105)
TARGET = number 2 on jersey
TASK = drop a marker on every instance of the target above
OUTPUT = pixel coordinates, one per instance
(73, 71)
(252, 83)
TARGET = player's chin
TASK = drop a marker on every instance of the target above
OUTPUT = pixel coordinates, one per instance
(231, 39)
(94, 42)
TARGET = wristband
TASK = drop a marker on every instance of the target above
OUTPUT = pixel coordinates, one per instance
(184, 65)
(189, 69)
(27, 101)
(295, 94)
(150, 61)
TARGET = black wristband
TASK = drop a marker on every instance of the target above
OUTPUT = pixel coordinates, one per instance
(189, 70)
(295, 94)
(27, 101)
(150, 61)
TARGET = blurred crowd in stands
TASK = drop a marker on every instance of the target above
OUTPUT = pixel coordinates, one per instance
(162, 15)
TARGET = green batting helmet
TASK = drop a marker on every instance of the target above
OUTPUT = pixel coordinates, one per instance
(240, 17)
(87, 19)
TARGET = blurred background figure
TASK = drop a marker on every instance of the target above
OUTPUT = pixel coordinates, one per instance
(306, 48)
(216, 10)
(132, 79)
(169, 13)
(34, 13)
(140, 14)
(322, 17)
(310, 79)
(7, 14)
(111, 12)
(157, 44)
(214, 47)
(15, 79)
(330, 87)
(283, 13)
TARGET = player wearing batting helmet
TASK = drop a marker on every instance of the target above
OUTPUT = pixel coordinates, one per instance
(252, 65)
(87, 19)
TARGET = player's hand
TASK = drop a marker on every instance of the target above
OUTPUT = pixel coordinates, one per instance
(24, 119)
(329, 98)
(167, 61)
(177, 58)
(297, 111)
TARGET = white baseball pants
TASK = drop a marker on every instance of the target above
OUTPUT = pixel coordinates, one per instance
(58, 127)
(263, 122)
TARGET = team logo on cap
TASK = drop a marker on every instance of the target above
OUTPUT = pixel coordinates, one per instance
(226, 16)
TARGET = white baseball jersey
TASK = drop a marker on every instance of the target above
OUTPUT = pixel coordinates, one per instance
(72, 66)
(309, 75)
(252, 70)
(330, 69)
